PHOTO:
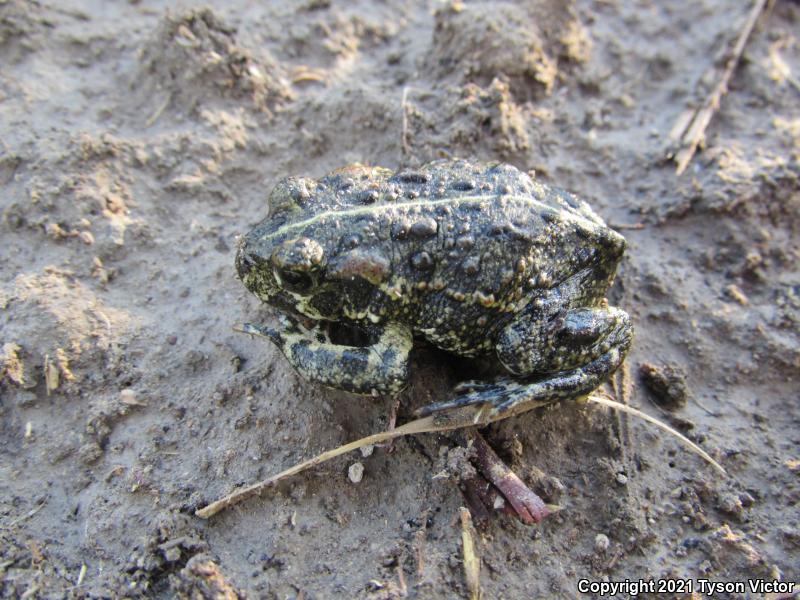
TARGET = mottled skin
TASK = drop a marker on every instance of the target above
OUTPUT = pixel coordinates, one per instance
(478, 259)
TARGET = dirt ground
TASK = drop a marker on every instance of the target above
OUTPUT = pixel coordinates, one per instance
(138, 141)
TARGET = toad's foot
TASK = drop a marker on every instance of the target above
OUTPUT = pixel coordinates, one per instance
(522, 502)
(506, 396)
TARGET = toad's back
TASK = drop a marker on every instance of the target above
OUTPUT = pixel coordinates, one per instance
(454, 250)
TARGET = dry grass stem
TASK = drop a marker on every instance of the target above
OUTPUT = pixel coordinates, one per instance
(686, 441)
(472, 564)
(690, 128)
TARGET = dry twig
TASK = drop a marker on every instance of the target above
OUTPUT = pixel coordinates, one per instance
(690, 128)
(404, 133)
(455, 419)
(462, 417)
(529, 507)
(598, 399)
(472, 564)
(27, 515)
(419, 544)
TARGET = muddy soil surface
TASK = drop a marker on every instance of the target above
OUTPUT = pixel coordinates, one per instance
(138, 140)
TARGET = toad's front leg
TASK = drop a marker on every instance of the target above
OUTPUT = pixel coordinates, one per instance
(380, 368)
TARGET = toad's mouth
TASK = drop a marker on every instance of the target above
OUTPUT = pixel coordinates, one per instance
(322, 305)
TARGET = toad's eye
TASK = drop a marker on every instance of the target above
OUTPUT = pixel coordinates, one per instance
(294, 281)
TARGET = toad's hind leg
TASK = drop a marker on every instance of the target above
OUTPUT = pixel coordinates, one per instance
(507, 396)
(535, 345)
(596, 339)
(381, 368)
(565, 356)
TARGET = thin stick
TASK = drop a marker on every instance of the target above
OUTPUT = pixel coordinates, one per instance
(529, 507)
(27, 515)
(466, 416)
(161, 108)
(431, 423)
(404, 134)
(472, 564)
(635, 226)
(303, 74)
(629, 409)
(694, 132)
(419, 544)
(401, 578)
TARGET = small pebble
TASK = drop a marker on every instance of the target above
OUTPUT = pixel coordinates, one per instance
(791, 535)
(622, 479)
(172, 554)
(128, 396)
(601, 542)
(746, 499)
(666, 383)
(356, 472)
(367, 450)
(731, 504)
(90, 453)
(736, 293)
(26, 399)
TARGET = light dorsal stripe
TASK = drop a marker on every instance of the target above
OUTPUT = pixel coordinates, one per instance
(567, 215)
